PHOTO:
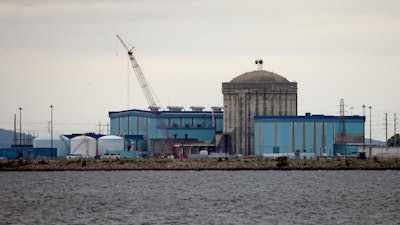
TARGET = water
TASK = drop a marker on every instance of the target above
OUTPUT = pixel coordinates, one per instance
(200, 197)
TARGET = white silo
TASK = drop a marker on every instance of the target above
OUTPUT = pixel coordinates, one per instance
(110, 143)
(59, 141)
(83, 145)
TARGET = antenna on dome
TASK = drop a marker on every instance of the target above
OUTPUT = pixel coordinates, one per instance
(259, 63)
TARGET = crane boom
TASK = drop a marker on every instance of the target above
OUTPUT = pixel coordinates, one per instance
(149, 96)
(142, 80)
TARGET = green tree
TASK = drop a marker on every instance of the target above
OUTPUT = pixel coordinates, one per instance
(282, 161)
(390, 141)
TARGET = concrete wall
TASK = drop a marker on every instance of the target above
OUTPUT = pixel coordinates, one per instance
(382, 152)
(243, 101)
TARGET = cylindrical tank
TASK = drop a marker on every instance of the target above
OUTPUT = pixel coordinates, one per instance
(110, 143)
(203, 152)
(59, 141)
(83, 145)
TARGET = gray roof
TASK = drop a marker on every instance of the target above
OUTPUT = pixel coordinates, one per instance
(259, 76)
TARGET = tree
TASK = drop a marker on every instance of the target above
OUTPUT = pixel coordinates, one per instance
(390, 141)
(282, 161)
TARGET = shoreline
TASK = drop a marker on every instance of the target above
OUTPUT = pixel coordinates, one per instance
(198, 164)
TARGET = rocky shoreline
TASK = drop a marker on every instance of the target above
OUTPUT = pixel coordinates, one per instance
(199, 164)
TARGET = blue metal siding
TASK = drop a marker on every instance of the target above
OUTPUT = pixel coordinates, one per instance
(123, 125)
(354, 128)
(200, 134)
(187, 122)
(114, 126)
(219, 125)
(198, 122)
(330, 137)
(267, 137)
(309, 136)
(133, 124)
(313, 118)
(284, 137)
(142, 128)
(175, 122)
(318, 137)
(310, 133)
(257, 140)
(153, 131)
(298, 136)
(14, 153)
(195, 124)
(208, 122)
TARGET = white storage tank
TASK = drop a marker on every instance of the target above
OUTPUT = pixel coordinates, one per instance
(110, 143)
(83, 145)
(59, 141)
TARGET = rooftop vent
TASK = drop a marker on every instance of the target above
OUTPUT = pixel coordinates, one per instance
(175, 108)
(197, 108)
(217, 108)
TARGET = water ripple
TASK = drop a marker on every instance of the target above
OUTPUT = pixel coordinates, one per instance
(200, 197)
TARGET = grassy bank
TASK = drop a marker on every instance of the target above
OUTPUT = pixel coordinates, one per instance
(198, 164)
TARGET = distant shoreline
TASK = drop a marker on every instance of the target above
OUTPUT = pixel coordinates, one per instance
(198, 164)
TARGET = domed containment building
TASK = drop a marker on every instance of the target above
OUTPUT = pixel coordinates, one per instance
(257, 93)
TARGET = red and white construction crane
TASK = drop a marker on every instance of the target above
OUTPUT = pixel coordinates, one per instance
(151, 99)
(142, 80)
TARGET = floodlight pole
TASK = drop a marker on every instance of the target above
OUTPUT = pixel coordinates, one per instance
(370, 131)
(20, 127)
(51, 129)
(364, 128)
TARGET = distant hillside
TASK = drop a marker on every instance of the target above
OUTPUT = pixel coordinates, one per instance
(375, 142)
(7, 138)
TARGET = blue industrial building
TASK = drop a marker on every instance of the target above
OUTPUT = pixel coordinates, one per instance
(143, 131)
(26, 153)
(306, 136)
(258, 118)
(310, 134)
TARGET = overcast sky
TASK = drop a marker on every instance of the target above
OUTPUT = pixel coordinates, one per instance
(65, 53)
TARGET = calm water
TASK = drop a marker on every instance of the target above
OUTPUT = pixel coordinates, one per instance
(200, 197)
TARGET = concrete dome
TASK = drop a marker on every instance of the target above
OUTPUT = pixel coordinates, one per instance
(259, 76)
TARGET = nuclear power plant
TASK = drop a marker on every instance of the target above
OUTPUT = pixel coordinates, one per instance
(258, 118)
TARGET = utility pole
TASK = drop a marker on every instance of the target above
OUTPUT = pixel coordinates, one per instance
(15, 129)
(341, 107)
(394, 137)
(370, 131)
(342, 126)
(364, 128)
(386, 127)
(20, 127)
(51, 129)
(100, 125)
